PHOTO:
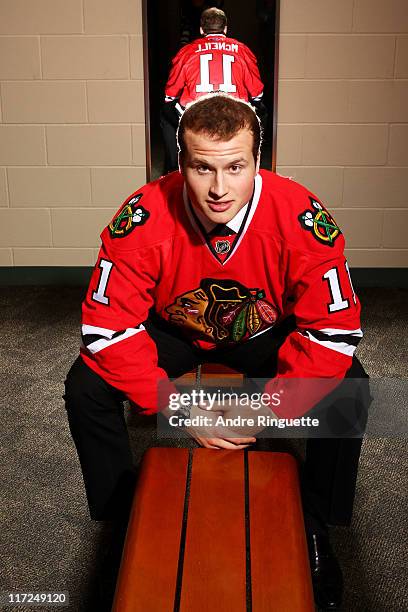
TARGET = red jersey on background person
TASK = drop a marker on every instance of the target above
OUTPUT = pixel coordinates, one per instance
(214, 63)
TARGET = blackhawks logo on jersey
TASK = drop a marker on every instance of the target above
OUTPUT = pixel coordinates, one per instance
(223, 311)
(320, 223)
(130, 216)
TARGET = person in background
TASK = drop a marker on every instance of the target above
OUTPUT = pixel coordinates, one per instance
(211, 63)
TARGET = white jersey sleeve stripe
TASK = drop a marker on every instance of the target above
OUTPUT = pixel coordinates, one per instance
(347, 332)
(97, 331)
(339, 347)
(103, 343)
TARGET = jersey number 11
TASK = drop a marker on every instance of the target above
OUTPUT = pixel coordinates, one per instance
(205, 86)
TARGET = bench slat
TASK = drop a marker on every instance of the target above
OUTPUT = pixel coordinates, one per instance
(279, 560)
(147, 580)
(214, 559)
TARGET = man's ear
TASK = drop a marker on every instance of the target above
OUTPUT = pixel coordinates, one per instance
(201, 31)
(225, 30)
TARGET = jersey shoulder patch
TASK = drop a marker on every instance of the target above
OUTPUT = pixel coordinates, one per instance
(131, 215)
(143, 218)
(319, 222)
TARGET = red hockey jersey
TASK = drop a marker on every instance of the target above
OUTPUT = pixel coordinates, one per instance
(287, 259)
(214, 63)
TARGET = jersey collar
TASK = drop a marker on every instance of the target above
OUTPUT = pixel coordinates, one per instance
(243, 222)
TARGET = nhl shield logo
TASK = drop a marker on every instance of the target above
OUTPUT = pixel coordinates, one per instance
(222, 247)
(128, 218)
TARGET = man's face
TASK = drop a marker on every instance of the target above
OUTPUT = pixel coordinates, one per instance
(219, 174)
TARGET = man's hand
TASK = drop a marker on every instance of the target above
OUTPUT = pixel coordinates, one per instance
(229, 426)
(219, 443)
(210, 435)
(215, 436)
(241, 420)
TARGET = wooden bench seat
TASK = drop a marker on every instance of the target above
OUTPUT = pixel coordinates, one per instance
(212, 375)
(215, 530)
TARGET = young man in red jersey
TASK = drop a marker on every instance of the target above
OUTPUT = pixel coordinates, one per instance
(214, 62)
(222, 262)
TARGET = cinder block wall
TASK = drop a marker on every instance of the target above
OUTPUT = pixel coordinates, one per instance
(72, 122)
(343, 118)
(72, 142)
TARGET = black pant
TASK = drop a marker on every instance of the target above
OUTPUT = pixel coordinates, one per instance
(97, 424)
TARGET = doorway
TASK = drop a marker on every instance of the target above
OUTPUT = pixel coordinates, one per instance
(164, 31)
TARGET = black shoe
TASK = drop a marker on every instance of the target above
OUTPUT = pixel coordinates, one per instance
(109, 568)
(327, 577)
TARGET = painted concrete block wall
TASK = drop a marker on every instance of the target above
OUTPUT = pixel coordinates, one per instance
(343, 118)
(72, 143)
(72, 121)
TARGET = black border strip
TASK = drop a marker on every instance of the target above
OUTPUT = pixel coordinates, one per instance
(146, 90)
(275, 86)
(248, 581)
(379, 277)
(80, 276)
(180, 566)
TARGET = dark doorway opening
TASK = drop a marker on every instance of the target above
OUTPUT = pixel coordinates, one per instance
(253, 23)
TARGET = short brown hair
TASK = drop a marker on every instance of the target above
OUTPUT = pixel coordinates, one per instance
(221, 117)
(213, 21)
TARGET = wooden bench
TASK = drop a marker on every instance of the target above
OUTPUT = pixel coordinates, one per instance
(215, 530)
(212, 375)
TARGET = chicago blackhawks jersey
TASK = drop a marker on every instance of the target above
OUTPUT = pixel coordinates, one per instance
(286, 260)
(214, 63)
